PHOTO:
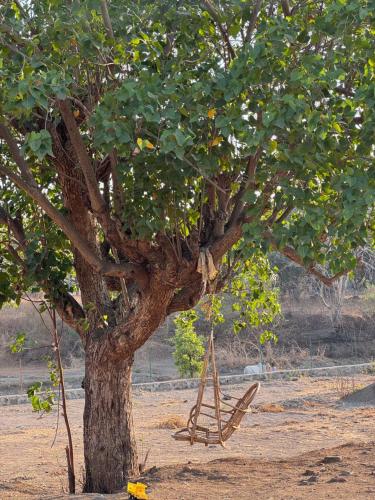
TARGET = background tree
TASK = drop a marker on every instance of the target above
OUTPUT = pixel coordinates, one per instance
(139, 136)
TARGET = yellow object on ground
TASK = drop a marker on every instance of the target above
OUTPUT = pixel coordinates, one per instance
(137, 491)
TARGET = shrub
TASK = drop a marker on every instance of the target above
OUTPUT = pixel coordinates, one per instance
(189, 346)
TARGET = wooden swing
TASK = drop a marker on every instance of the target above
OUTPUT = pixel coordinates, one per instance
(228, 419)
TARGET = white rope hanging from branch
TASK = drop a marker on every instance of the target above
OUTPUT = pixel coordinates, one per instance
(207, 269)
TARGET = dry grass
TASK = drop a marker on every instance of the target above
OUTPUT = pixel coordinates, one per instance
(344, 386)
(237, 353)
(270, 408)
(171, 422)
(233, 354)
(26, 319)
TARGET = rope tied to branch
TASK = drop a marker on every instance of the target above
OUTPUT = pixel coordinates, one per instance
(207, 269)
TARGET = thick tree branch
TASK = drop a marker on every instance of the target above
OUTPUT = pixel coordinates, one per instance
(248, 179)
(253, 20)
(221, 246)
(106, 18)
(14, 225)
(70, 311)
(291, 254)
(106, 268)
(16, 256)
(286, 8)
(215, 16)
(18, 158)
(187, 297)
(80, 105)
(98, 204)
(127, 270)
(96, 199)
(328, 281)
(221, 213)
(190, 294)
(190, 280)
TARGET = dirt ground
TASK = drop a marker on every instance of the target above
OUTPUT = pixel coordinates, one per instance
(277, 454)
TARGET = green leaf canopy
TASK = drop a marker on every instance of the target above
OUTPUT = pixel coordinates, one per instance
(219, 114)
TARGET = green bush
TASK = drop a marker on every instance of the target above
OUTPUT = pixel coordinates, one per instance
(189, 346)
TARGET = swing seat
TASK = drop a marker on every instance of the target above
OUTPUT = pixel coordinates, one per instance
(194, 433)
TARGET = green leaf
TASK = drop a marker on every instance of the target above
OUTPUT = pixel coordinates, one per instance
(40, 143)
(18, 343)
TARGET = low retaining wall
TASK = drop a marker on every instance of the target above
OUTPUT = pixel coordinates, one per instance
(191, 383)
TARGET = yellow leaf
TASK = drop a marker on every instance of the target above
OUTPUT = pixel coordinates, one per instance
(149, 144)
(183, 111)
(211, 113)
(76, 113)
(337, 127)
(140, 143)
(215, 141)
(273, 145)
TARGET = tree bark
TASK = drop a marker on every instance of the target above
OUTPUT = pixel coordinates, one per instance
(109, 441)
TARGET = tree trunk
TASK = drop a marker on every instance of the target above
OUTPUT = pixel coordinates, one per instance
(109, 441)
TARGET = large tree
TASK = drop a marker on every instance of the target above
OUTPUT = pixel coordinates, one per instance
(141, 138)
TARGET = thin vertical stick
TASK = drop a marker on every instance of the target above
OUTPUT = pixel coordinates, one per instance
(69, 448)
(56, 342)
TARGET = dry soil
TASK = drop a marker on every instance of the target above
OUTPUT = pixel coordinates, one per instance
(277, 454)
